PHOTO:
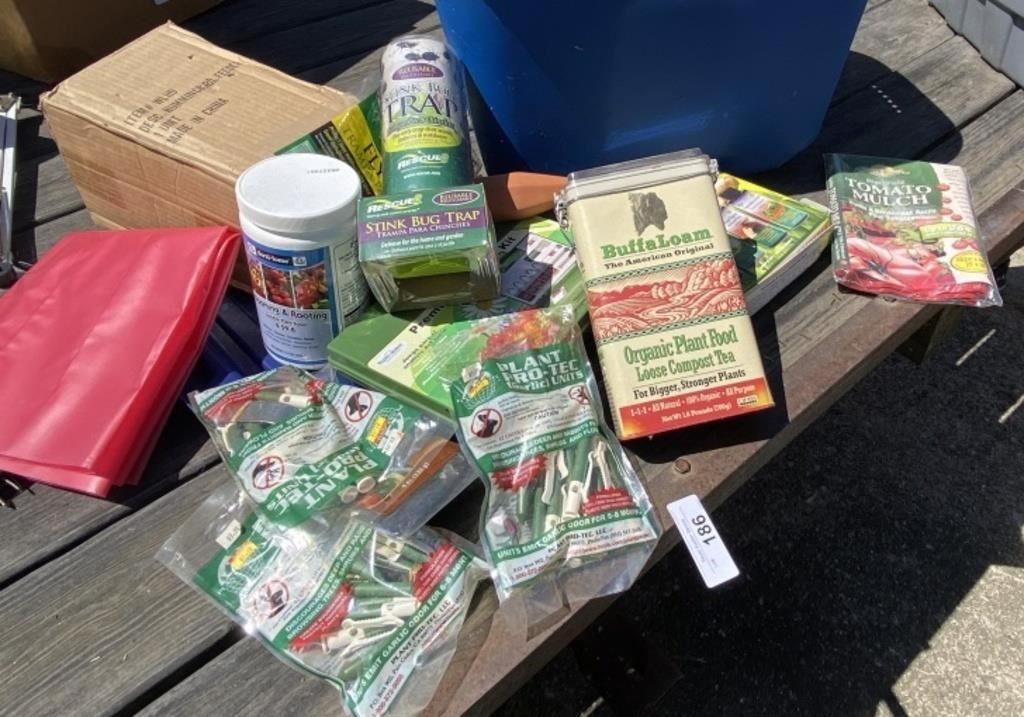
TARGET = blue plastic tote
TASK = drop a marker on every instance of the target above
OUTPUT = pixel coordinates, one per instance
(562, 85)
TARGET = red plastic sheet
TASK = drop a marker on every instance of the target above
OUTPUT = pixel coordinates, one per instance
(96, 342)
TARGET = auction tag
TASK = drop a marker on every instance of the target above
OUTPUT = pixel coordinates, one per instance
(702, 540)
(229, 535)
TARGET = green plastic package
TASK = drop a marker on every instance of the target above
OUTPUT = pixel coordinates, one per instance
(375, 616)
(566, 517)
(298, 445)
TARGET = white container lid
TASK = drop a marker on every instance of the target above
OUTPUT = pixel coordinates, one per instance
(298, 192)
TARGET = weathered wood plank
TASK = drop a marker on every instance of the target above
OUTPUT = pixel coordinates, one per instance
(900, 115)
(238, 21)
(953, 64)
(34, 139)
(30, 244)
(992, 148)
(922, 344)
(46, 521)
(350, 76)
(91, 632)
(890, 37)
(44, 191)
(351, 35)
(246, 668)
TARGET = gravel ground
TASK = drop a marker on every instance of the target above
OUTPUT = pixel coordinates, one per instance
(881, 556)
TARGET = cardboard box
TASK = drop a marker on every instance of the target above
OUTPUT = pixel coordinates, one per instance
(156, 133)
(49, 39)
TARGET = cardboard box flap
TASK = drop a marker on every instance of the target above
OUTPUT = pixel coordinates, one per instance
(208, 103)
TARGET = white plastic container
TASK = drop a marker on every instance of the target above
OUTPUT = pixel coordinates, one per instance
(298, 214)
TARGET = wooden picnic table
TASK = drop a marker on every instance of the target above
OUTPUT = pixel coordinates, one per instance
(91, 624)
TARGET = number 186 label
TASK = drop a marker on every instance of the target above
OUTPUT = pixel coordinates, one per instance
(702, 540)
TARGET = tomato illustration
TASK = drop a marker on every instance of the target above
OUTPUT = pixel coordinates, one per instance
(311, 288)
(278, 287)
(940, 274)
(908, 269)
(525, 330)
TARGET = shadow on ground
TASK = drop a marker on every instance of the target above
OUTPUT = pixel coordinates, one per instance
(856, 544)
(317, 39)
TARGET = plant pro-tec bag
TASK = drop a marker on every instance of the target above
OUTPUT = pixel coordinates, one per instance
(298, 445)
(566, 518)
(375, 616)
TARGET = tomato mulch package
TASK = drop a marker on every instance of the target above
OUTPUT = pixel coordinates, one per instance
(907, 230)
(96, 342)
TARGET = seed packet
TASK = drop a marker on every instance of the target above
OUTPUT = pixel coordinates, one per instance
(566, 517)
(375, 616)
(297, 445)
(906, 230)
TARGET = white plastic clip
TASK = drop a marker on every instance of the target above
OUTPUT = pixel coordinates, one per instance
(389, 548)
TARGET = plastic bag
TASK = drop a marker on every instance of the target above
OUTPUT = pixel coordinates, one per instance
(907, 230)
(297, 445)
(96, 342)
(375, 616)
(566, 517)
